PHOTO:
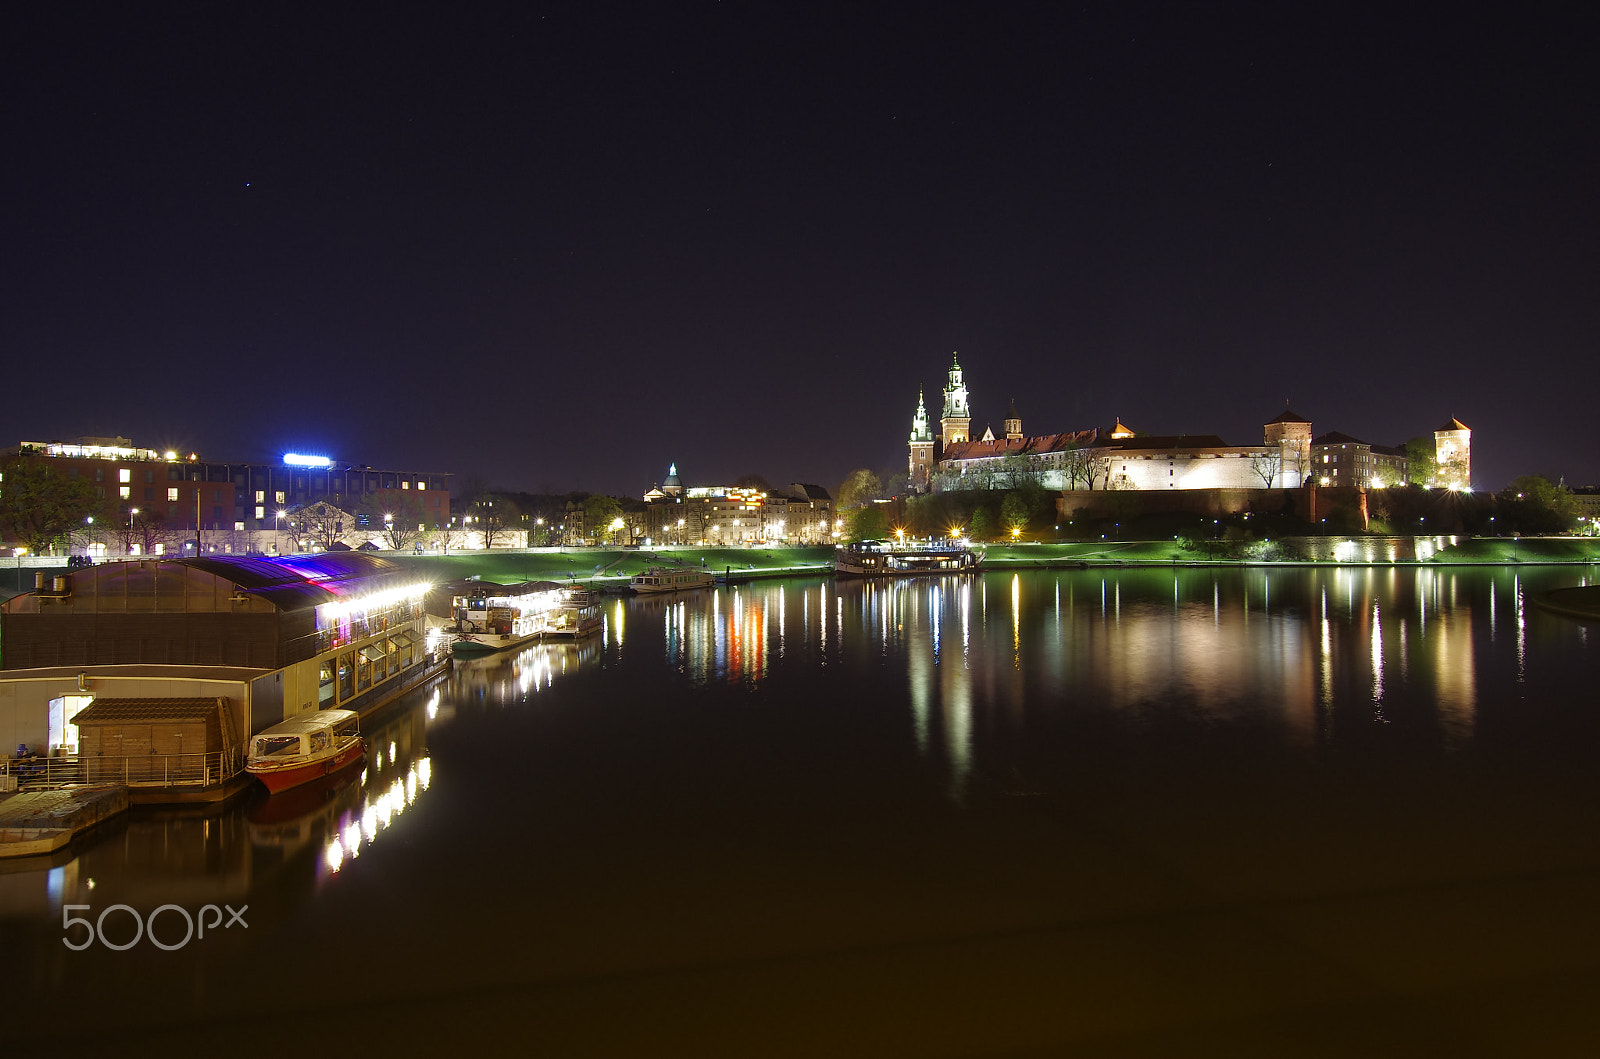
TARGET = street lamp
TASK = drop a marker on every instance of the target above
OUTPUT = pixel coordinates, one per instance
(130, 548)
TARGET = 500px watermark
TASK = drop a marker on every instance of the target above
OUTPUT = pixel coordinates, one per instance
(146, 925)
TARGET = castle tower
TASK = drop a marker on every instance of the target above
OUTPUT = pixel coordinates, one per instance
(1013, 423)
(921, 468)
(1452, 455)
(1290, 434)
(957, 416)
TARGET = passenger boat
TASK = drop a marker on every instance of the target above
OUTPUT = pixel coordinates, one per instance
(889, 559)
(490, 617)
(671, 579)
(576, 615)
(305, 748)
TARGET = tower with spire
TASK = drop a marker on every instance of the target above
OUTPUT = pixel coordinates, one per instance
(957, 417)
(1013, 423)
(921, 465)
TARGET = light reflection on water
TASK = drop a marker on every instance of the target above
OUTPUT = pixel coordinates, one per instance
(781, 694)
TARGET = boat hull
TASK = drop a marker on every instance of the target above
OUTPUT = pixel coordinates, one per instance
(288, 775)
(468, 646)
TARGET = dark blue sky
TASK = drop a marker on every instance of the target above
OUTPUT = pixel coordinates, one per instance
(562, 246)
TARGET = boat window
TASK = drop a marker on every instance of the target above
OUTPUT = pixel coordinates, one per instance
(347, 675)
(319, 741)
(346, 728)
(325, 683)
(277, 746)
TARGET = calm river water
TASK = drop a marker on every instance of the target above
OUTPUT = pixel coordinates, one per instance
(1157, 811)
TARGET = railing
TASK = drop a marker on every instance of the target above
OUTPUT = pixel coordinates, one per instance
(132, 770)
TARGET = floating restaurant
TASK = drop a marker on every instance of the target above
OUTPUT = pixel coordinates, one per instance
(154, 673)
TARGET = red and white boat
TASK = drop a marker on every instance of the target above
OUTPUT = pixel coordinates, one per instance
(305, 748)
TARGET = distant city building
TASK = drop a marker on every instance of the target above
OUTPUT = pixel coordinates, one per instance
(235, 506)
(733, 515)
(1287, 457)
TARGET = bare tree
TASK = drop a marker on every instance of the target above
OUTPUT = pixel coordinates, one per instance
(319, 523)
(1266, 465)
(1081, 465)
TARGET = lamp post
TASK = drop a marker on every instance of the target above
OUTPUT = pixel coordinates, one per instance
(277, 533)
(133, 513)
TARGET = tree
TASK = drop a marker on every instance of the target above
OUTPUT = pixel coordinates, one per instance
(600, 514)
(495, 516)
(140, 530)
(1266, 466)
(1533, 503)
(40, 507)
(1014, 513)
(980, 525)
(319, 523)
(753, 481)
(1421, 458)
(869, 523)
(1080, 465)
(859, 487)
(396, 519)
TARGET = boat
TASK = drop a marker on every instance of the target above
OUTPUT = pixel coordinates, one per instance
(576, 614)
(489, 617)
(306, 747)
(891, 559)
(671, 579)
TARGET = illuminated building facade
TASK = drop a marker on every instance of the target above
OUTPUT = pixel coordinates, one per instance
(241, 642)
(1120, 458)
(233, 504)
(734, 516)
(1339, 459)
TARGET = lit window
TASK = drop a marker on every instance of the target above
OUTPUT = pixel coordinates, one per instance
(278, 496)
(172, 493)
(125, 492)
(261, 512)
(405, 485)
(238, 525)
(124, 475)
(261, 497)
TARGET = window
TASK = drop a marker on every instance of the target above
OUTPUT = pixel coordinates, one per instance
(172, 493)
(149, 475)
(278, 496)
(238, 525)
(405, 485)
(261, 497)
(124, 475)
(261, 512)
(125, 492)
(99, 474)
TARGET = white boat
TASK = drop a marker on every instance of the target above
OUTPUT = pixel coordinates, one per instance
(671, 579)
(490, 617)
(576, 614)
(304, 748)
(891, 559)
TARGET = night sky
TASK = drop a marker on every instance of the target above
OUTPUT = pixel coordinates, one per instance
(562, 246)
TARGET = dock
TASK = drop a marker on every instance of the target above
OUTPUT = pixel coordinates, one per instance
(33, 822)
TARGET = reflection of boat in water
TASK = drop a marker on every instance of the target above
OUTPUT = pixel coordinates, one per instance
(889, 559)
(671, 579)
(307, 814)
(306, 747)
(535, 666)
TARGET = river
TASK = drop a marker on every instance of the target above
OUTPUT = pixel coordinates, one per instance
(1144, 811)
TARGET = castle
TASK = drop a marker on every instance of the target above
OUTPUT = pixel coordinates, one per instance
(1288, 457)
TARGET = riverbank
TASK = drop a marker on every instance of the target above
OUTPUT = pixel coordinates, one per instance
(613, 567)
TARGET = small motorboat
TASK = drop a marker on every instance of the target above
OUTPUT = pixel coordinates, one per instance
(305, 748)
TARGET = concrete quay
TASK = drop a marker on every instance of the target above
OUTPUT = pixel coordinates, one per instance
(34, 822)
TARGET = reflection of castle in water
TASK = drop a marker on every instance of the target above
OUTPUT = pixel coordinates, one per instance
(1309, 654)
